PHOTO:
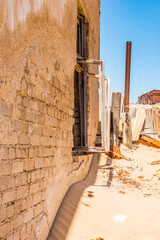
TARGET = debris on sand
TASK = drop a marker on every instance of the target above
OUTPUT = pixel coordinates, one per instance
(98, 238)
(123, 192)
(155, 162)
(150, 141)
(115, 152)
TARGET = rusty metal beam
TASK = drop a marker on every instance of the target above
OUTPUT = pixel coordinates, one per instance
(127, 76)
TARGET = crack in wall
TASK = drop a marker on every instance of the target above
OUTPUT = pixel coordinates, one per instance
(74, 170)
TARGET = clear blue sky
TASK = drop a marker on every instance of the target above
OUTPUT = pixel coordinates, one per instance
(137, 21)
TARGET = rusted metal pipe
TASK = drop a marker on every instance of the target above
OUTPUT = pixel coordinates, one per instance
(127, 76)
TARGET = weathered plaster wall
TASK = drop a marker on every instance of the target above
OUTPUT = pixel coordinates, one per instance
(16, 12)
(37, 57)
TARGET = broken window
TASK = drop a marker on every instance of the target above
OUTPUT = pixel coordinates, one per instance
(80, 95)
(80, 86)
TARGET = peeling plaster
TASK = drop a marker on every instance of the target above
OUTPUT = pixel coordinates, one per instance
(16, 11)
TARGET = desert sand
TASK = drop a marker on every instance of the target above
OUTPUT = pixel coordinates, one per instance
(118, 200)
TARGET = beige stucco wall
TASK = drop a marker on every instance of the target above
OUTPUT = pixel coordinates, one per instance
(37, 57)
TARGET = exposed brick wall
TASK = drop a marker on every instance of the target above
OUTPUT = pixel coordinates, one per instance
(37, 60)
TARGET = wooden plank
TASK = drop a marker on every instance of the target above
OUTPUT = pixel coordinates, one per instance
(156, 120)
(138, 123)
(107, 114)
(150, 133)
(127, 130)
(150, 141)
(102, 103)
(115, 111)
(148, 125)
(122, 104)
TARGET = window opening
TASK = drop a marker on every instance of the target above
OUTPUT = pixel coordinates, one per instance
(80, 96)
(80, 86)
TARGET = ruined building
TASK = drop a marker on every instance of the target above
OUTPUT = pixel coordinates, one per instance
(151, 97)
(47, 108)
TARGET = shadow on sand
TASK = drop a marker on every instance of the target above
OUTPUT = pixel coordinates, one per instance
(67, 209)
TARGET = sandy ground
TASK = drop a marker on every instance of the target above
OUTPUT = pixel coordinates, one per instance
(118, 200)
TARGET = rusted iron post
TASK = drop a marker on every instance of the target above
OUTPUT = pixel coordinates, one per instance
(127, 76)
(127, 126)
